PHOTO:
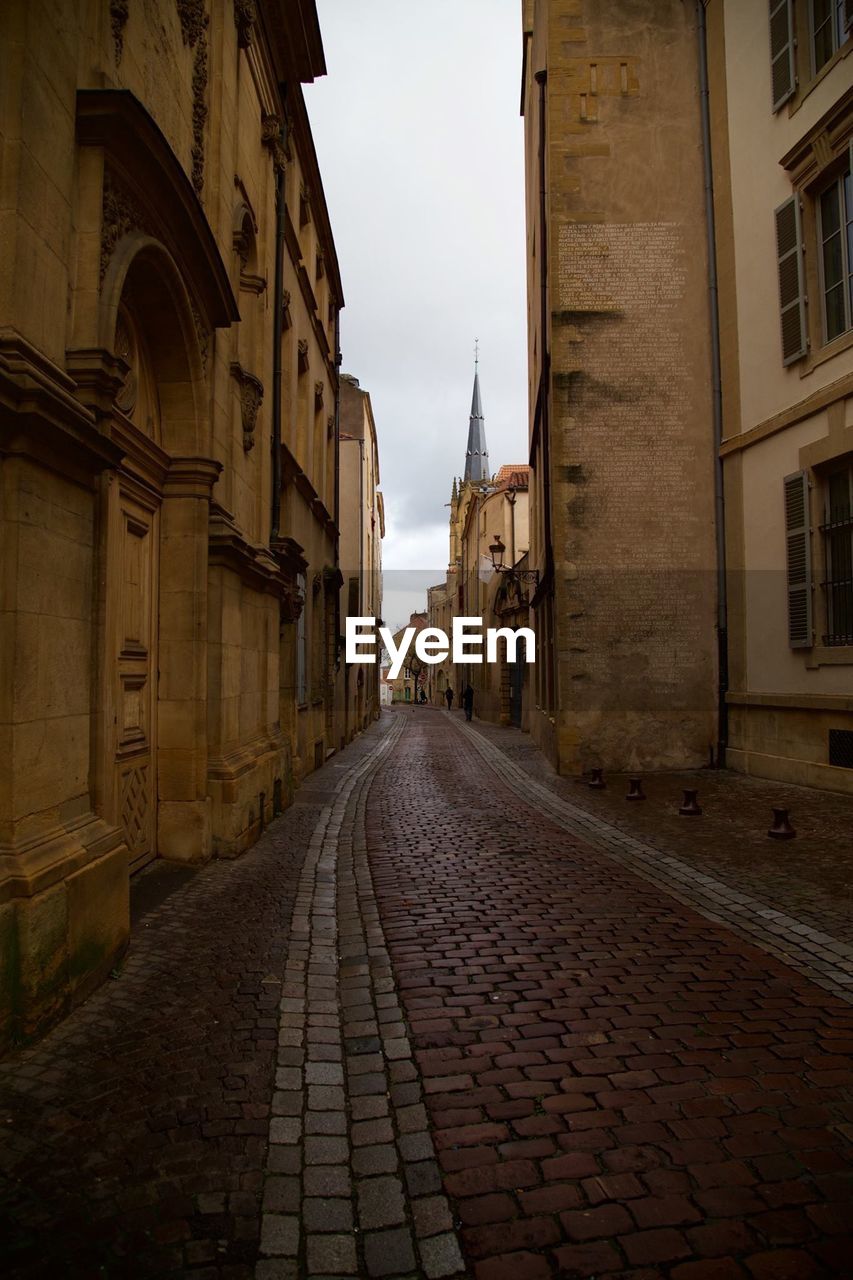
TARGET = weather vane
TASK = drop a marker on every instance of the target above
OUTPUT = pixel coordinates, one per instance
(476, 350)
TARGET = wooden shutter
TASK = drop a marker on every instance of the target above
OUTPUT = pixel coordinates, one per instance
(782, 70)
(799, 560)
(792, 290)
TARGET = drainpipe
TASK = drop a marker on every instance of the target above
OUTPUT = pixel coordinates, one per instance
(338, 361)
(717, 393)
(275, 519)
(545, 354)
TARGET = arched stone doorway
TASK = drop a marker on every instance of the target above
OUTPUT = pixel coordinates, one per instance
(154, 547)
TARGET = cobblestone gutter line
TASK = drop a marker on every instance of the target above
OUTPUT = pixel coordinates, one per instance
(352, 1184)
(814, 954)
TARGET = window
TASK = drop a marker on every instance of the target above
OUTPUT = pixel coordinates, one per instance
(838, 557)
(828, 23)
(836, 255)
(814, 247)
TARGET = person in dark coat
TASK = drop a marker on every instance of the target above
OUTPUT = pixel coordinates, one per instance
(468, 701)
(448, 697)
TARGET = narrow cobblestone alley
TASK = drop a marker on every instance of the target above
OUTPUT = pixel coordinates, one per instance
(440, 1022)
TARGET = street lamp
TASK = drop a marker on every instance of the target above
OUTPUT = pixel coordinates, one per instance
(497, 551)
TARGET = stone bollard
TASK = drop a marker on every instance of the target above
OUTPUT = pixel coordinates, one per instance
(596, 782)
(690, 807)
(781, 829)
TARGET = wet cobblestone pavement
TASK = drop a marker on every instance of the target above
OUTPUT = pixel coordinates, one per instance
(434, 1025)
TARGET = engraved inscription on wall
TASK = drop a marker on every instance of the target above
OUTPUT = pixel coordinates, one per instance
(633, 409)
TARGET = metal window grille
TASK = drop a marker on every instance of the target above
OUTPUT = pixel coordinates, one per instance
(838, 555)
(841, 748)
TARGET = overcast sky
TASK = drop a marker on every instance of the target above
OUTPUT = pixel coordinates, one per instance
(420, 146)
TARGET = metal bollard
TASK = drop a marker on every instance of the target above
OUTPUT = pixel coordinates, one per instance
(690, 807)
(781, 829)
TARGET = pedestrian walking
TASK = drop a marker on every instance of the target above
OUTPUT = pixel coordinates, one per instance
(448, 697)
(468, 701)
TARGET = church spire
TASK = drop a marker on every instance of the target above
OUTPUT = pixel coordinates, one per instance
(477, 454)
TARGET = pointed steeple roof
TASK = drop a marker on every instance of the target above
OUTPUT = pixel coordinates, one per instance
(477, 454)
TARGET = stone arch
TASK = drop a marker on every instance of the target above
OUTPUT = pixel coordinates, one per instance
(143, 278)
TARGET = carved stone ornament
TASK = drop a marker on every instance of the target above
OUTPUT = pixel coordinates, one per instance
(286, 319)
(202, 333)
(302, 355)
(330, 426)
(194, 20)
(304, 205)
(318, 396)
(119, 11)
(119, 215)
(245, 17)
(251, 395)
(271, 131)
(292, 603)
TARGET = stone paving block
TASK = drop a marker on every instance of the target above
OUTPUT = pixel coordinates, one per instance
(373, 1082)
(369, 1108)
(282, 1194)
(332, 1255)
(326, 1097)
(369, 1132)
(280, 1234)
(422, 1178)
(381, 1202)
(326, 1150)
(324, 1073)
(285, 1130)
(415, 1146)
(327, 1180)
(441, 1256)
(431, 1216)
(325, 1214)
(332, 1123)
(389, 1253)
(378, 1159)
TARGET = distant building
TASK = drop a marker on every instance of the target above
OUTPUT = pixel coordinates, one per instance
(362, 525)
(483, 508)
(407, 686)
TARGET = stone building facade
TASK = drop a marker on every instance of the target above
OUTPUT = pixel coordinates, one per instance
(362, 524)
(621, 431)
(784, 238)
(169, 299)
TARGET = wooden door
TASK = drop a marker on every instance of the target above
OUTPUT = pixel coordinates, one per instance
(136, 678)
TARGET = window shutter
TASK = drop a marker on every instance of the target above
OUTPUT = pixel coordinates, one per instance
(782, 70)
(792, 292)
(799, 560)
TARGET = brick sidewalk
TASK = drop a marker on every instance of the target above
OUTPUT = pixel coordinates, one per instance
(810, 878)
(617, 1086)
